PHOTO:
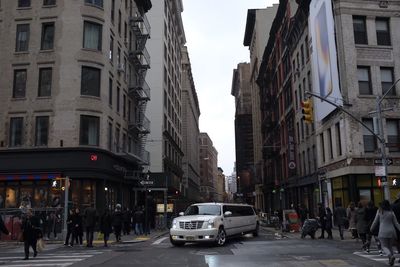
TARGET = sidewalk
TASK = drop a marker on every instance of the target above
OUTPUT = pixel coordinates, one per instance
(125, 239)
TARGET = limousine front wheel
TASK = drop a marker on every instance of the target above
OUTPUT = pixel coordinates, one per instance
(221, 237)
(257, 230)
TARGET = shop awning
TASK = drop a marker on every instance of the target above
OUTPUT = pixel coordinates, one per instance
(28, 177)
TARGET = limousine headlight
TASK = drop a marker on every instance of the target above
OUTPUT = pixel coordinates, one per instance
(210, 224)
(174, 224)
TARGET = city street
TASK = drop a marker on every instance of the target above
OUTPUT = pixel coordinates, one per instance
(269, 249)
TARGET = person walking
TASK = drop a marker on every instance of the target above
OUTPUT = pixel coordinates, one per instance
(370, 213)
(77, 232)
(69, 227)
(90, 223)
(106, 226)
(127, 218)
(3, 227)
(387, 228)
(328, 224)
(396, 211)
(303, 213)
(362, 224)
(340, 218)
(322, 220)
(139, 219)
(351, 216)
(30, 231)
(117, 222)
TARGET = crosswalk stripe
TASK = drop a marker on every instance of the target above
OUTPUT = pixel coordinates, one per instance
(159, 241)
(39, 265)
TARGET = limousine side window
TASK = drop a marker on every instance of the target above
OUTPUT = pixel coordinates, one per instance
(239, 210)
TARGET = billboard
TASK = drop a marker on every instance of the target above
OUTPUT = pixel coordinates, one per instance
(323, 58)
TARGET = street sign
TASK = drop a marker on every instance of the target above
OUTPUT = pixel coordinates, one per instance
(380, 170)
(379, 161)
(147, 182)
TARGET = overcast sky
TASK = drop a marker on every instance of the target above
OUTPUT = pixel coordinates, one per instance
(214, 32)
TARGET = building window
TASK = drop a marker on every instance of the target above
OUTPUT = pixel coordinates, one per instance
(118, 98)
(360, 30)
(47, 36)
(90, 81)
(111, 53)
(89, 130)
(330, 146)
(387, 81)
(117, 148)
(124, 106)
(110, 92)
(45, 79)
(42, 131)
(338, 139)
(98, 3)
(92, 35)
(119, 22)
(364, 80)
(369, 138)
(19, 83)
(16, 130)
(307, 48)
(49, 2)
(24, 3)
(22, 39)
(321, 136)
(302, 55)
(393, 135)
(112, 10)
(382, 31)
(109, 142)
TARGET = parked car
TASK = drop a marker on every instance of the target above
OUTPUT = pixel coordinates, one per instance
(213, 222)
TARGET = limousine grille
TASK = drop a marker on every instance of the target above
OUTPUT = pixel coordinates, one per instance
(191, 225)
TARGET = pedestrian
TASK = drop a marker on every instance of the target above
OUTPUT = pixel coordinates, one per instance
(3, 227)
(90, 223)
(117, 222)
(106, 226)
(322, 220)
(52, 222)
(133, 221)
(303, 213)
(328, 224)
(127, 218)
(139, 219)
(362, 224)
(370, 213)
(351, 216)
(69, 227)
(30, 232)
(387, 228)
(77, 233)
(396, 210)
(340, 218)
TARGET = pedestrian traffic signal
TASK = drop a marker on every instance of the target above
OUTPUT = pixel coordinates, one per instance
(307, 110)
(56, 184)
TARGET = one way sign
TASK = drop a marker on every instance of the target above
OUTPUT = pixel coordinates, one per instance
(146, 182)
(379, 161)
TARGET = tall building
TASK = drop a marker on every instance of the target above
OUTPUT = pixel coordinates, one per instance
(71, 103)
(165, 79)
(258, 25)
(208, 168)
(190, 131)
(244, 131)
(221, 195)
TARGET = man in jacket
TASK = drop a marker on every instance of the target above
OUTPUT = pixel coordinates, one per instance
(340, 218)
(90, 223)
(322, 219)
(30, 230)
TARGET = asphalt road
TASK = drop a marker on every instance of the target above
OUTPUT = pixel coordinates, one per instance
(266, 250)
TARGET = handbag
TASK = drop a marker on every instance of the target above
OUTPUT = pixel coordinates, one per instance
(40, 245)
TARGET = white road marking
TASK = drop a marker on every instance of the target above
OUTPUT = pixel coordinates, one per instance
(158, 241)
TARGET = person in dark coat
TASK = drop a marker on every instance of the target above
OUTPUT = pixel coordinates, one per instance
(90, 223)
(362, 224)
(322, 220)
(77, 232)
(117, 221)
(3, 227)
(127, 221)
(69, 227)
(303, 213)
(328, 224)
(370, 214)
(396, 211)
(340, 218)
(30, 232)
(139, 220)
(106, 225)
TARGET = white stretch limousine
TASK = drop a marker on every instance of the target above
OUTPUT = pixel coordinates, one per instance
(213, 222)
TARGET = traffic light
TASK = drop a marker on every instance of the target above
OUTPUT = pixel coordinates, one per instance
(307, 110)
(56, 184)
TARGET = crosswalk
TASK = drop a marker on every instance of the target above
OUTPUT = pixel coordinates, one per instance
(374, 255)
(57, 259)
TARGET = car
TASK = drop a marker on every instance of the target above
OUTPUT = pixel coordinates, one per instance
(213, 222)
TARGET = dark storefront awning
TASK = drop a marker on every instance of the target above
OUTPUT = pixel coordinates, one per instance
(28, 177)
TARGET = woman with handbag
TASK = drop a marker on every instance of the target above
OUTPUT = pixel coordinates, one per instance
(370, 213)
(387, 228)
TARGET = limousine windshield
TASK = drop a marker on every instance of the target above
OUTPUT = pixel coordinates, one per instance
(203, 210)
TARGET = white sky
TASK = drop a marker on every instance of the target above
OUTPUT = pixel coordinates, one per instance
(214, 32)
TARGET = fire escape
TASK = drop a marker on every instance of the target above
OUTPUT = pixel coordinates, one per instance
(139, 90)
